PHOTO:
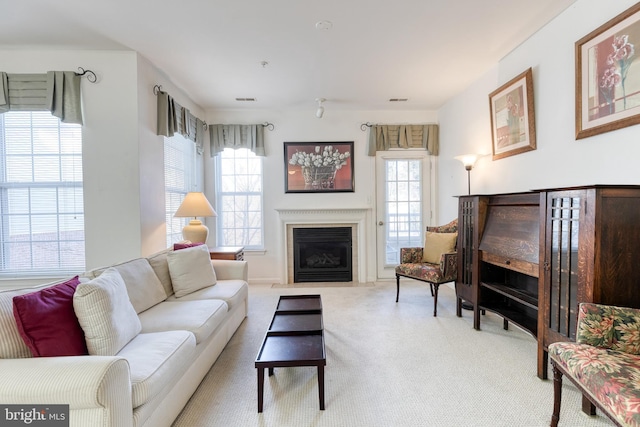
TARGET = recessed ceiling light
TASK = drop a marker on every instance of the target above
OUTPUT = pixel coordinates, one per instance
(398, 99)
(246, 99)
(324, 25)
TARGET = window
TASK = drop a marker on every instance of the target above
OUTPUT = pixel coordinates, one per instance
(239, 198)
(41, 203)
(179, 179)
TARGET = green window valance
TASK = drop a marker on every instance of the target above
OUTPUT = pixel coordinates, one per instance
(386, 137)
(173, 118)
(237, 136)
(55, 91)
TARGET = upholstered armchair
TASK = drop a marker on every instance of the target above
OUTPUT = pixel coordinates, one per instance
(603, 363)
(435, 263)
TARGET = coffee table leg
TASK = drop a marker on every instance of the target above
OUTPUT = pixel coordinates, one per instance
(260, 388)
(321, 386)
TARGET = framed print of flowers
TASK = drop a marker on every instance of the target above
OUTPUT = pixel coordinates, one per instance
(513, 125)
(318, 167)
(608, 76)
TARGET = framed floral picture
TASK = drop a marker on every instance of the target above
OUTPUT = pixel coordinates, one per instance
(318, 167)
(513, 125)
(608, 76)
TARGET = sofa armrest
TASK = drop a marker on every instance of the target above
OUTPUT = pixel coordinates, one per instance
(230, 270)
(449, 265)
(96, 388)
(410, 255)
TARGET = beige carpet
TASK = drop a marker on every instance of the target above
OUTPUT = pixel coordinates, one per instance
(388, 364)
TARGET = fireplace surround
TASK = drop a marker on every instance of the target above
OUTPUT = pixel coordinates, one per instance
(355, 218)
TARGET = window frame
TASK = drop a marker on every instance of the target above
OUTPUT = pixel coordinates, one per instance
(219, 194)
(68, 142)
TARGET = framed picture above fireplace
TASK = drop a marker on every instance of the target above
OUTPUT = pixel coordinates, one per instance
(318, 167)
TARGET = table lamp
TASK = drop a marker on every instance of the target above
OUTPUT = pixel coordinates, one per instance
(195, 204)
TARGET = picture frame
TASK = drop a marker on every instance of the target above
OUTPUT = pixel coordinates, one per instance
(318, 167)
(513, 125)
(607, 82)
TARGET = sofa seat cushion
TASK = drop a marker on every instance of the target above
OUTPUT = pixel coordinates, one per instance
(155, 360)
(198, 317)
(611, 377)
(233, 292)
(421, 271)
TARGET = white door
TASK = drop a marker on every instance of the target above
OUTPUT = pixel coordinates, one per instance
(403, 205)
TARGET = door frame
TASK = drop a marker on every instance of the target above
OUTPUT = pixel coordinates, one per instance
(429, 192)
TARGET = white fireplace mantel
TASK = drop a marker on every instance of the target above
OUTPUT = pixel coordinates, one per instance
(355, 216)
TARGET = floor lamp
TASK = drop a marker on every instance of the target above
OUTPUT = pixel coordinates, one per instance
(195, 204)
(468, 160)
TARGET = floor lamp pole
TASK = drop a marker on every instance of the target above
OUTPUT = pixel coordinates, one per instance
(468, 168)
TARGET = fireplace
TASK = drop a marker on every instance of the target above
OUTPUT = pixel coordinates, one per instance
(322, 254)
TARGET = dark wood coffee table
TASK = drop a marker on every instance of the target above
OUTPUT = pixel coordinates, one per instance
(295, 338)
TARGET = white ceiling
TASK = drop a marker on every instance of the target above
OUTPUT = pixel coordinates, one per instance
(423, 50)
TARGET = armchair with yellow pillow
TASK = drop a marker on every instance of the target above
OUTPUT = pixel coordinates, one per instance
(435, 263)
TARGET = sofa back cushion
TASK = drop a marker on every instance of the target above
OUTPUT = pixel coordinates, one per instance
(47, 322)
(160, 266)
(190, 270)
(608, 326)
(143, 286)
(12, 346)
(105, 313)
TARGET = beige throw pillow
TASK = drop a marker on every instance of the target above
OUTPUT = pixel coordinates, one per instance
(105, 313)
(190, 270)
(436, 244)
(143, 286)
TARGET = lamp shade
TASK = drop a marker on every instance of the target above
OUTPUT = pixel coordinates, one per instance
(468, 160)
(195, 204)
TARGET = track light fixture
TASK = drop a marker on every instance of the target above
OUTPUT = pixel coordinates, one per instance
(320, 110)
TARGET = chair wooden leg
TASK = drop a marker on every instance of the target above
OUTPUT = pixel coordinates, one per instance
(431, 288)
(435, 300)
(397, 287)
(557, 395)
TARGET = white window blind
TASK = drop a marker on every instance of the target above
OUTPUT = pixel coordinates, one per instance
(239, 198)
(179, 179)
(41, 195)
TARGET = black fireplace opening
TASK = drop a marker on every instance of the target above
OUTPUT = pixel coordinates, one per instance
(322, 254)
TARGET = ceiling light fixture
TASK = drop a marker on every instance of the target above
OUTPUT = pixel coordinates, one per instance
(324, 25)
(320, 110)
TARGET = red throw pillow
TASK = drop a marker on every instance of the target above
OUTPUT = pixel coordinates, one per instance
(178, 246)
(47, 322)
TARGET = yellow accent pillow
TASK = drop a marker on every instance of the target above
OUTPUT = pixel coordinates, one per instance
(436, 244)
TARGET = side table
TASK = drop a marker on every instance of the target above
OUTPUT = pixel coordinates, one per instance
(235, 253)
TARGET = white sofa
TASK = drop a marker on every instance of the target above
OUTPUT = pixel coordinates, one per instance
(150, 379)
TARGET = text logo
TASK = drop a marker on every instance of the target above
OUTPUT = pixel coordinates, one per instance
(34, 415)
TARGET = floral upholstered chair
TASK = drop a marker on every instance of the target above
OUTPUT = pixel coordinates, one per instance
(604, 363)
(435, 263)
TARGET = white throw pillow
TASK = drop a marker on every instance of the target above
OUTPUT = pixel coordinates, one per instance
(105, 313)
(190, 270)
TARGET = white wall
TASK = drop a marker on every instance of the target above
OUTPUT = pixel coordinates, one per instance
(122, 156)
(559, 160)
(302, 126)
